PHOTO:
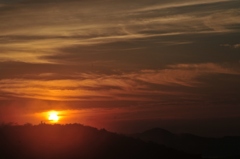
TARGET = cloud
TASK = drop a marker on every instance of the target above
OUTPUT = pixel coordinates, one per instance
(176, 4)
(121, 60)
(178, 92)
(127, 86)
(235, 46)
(224, 20)
(42, 27)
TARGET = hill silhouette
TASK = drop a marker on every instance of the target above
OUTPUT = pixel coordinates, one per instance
(76, 141)
(225, 147)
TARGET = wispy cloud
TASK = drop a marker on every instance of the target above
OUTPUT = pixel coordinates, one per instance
(128, 86)
(180, 4)
(42, 27)
(235, 46)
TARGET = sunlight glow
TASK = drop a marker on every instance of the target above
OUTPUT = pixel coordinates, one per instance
(53, 116)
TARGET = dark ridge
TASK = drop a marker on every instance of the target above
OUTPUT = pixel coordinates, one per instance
(226, 147)
(158, 131)
(76, 141)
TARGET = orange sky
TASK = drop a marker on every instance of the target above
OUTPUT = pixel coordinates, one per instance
(122, 65)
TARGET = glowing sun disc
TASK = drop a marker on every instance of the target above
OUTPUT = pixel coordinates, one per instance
(53, 116)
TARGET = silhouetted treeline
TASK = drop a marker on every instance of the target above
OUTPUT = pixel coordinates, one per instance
(75, 141)
(217, 148)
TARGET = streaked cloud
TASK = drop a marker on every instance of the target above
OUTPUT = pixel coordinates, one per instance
(175, 4)
(127, 86)
(235, 46)
(41, 28)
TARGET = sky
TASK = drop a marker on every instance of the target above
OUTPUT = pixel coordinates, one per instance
(126, 66)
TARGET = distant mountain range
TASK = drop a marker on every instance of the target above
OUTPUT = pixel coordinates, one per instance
(75, 141)
(225, 147)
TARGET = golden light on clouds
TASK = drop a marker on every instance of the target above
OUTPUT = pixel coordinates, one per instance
(108, 87)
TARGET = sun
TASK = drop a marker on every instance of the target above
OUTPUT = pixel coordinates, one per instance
(53, 116)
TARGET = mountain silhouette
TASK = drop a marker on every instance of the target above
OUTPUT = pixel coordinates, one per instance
(76, 141)
(207, 147)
